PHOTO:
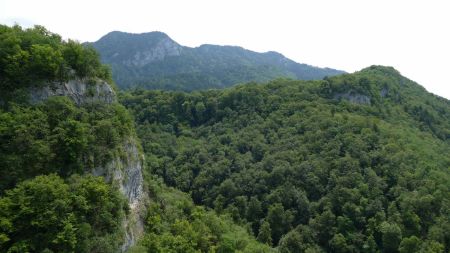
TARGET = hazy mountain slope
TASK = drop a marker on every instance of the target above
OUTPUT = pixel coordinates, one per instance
(153, 60)
(353, 163)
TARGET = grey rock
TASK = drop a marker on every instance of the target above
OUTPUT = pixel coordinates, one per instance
(164, 48)
(78, 90)
(384, 92)
(126, 172)
(353, 97)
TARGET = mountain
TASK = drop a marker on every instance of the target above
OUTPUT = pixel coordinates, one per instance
(73, 175)
(352, 163)
(349, 163)
(154, 61)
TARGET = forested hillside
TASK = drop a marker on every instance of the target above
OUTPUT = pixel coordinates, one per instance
(50, 149)
(45, 205)
(350, 163)
(353, 163)
(154, 61)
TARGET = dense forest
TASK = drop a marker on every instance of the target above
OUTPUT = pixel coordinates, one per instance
(45, 203)
(154, 61)
(350, 163)
(37, 57)
(353, 163)
(49, 201)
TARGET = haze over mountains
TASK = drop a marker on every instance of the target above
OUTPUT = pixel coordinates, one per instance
(154, 61)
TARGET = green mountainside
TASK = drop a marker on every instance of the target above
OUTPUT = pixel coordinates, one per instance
(349, 163)
(51, 148)
(353, 163)
(154, 61)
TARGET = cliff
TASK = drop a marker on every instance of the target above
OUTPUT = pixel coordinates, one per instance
(80, 91)
(124, 170)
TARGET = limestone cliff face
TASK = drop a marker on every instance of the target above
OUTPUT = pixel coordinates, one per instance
(163, 48)
(78, 90)
(125, 170)
(353, 97)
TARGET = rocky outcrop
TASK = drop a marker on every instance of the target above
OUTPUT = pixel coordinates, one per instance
(126, 172)
(163, 48)
(80, 91)
(353, 97)
(384, 92)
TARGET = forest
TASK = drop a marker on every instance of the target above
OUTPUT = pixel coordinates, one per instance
(350, 163)
(305, 168)
(49, 199)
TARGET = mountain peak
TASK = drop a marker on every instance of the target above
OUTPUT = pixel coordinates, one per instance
(387, 70)
(126, 35)
(155, 61)
(136, 49)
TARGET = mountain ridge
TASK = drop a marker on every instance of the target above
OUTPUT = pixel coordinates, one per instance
(155, 61)
(349, 163)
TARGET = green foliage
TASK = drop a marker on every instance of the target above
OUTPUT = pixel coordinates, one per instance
(35, 56)
(410, 245)
(391, 236)
(265, 233)
(56, 136)
(175, 224)
(174, 67)
(46, 214)
(327, 172)
(45, 205)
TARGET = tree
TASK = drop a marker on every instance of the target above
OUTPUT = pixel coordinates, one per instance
(265, 233)
(391, 236)
(45, 63)
(279, 220)
(46, 213)
(39, 212)
(338, 244)
(410, 245)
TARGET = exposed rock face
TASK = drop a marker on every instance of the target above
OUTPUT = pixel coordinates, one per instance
(353, 97)
(126, 172)
(78, 90)
(384, 92)
(165, 47)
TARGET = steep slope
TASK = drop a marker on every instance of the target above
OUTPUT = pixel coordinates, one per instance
(59, 123)
(353, 163)
(154, 61)
(71, 167)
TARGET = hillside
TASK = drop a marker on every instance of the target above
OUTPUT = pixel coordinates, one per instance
(353, 163)
(71, 167)
(154, 61)
(349, 163)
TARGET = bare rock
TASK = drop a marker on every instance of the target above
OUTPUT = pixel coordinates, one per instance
(353, 97)
(126, 172)
(80, 91)
(164, 48)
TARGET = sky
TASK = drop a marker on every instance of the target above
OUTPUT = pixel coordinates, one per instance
(412, 36)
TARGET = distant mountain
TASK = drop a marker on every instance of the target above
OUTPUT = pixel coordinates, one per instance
(154, 61)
